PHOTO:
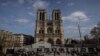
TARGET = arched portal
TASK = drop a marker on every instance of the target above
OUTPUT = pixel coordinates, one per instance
(50, 41)
(58, 42)
(0, 50)
(41, 40)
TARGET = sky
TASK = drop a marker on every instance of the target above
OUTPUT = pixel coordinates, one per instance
(19, 16)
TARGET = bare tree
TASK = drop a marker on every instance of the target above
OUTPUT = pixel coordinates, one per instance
(95, 32)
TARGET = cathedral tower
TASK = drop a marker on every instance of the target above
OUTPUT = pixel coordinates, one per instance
(47, 30)
(40, 25)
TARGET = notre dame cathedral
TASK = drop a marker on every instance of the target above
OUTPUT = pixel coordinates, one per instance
(49, 30)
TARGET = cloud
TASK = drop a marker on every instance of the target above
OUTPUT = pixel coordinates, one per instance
(75, 16)
(12, 3)
(70, 4)
(70, 27)
(58, 2)
(29, 8)
(40, 4)
(32, 14)
(3, 27)
(72, 31)
(85, 29)
(22, 21)
(75, 28)
(4, 4)
(21, 1)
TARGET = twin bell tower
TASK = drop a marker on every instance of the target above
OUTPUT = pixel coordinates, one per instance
(49, 30)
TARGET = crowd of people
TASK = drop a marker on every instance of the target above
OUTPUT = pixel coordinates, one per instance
(54, 52)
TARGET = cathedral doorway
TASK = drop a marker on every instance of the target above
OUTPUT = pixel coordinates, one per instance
(58, 42)
(50, 41)
(0, 50)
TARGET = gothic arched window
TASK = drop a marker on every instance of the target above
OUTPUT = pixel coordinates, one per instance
(57, 16)
(42, 16)
(49, 30)
(57, 31)
(41, 31)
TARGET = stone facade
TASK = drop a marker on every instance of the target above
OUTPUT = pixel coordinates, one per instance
(49, 30)
(9, 40)
(19, 41)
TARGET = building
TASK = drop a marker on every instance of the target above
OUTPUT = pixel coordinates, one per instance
(7, 40)
(23, 40)
(28, 39)
(47, 29)
(19, 41)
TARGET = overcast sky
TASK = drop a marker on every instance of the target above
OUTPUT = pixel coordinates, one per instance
(19, 16)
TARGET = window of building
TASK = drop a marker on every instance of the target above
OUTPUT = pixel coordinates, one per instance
(57, 16)
(41, 31)
(49, 30)
(57, 31)
(49, 23)
(42, 16)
